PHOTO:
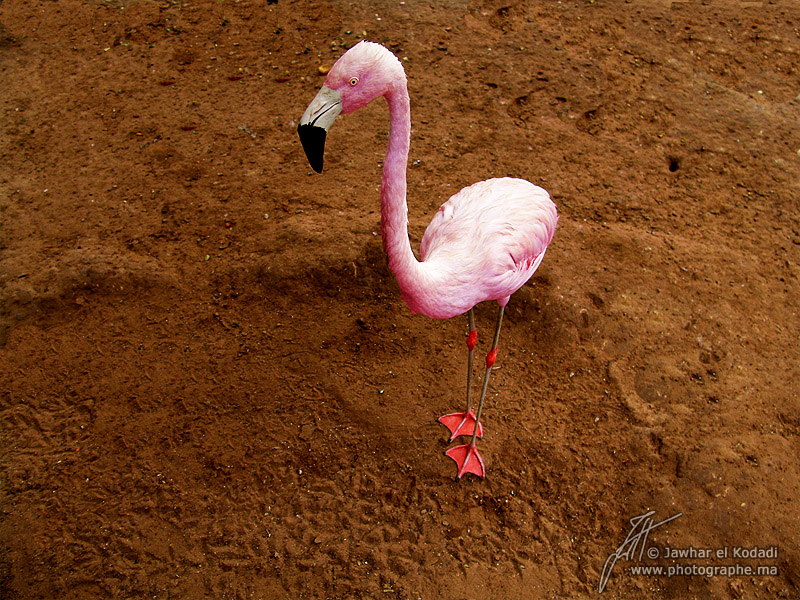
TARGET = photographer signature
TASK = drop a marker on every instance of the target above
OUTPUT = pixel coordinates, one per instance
(641, 527)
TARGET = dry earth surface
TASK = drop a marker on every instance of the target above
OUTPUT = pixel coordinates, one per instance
(211, 387)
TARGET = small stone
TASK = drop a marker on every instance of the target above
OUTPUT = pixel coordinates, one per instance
(307, 432)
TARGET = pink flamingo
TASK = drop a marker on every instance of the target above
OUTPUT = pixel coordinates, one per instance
(484, 243)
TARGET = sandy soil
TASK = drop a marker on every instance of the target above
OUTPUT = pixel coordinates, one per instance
(211, 387)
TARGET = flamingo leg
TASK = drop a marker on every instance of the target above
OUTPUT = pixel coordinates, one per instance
(467, 457)
(463, 423)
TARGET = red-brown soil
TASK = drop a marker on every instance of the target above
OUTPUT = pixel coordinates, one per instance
(211, 387)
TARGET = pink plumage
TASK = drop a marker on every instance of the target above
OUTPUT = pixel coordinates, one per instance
(484, 243)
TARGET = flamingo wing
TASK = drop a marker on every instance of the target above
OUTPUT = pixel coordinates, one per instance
(486, 241)
(496, 227)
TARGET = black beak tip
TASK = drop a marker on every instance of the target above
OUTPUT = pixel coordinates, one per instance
(313, 140)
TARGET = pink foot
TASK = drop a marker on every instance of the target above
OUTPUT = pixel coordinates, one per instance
(461, 424)
(468, 460)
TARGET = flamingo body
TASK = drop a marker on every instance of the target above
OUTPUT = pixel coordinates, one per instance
(484, 243)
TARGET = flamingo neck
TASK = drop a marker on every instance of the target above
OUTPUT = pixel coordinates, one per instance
(394, 208)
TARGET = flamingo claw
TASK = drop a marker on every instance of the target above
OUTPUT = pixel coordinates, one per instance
(468, 460)
(462, 423)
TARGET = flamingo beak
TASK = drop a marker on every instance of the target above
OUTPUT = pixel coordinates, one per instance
(315, 123)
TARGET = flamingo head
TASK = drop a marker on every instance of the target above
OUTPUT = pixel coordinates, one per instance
(363, 73)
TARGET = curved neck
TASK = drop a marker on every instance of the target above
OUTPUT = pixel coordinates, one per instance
(394, 208)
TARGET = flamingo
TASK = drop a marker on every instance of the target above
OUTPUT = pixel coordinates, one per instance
(484, 243)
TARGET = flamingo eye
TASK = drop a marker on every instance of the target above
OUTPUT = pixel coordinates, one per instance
(353, 81)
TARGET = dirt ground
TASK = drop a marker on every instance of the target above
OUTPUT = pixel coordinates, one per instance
(211, 387)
